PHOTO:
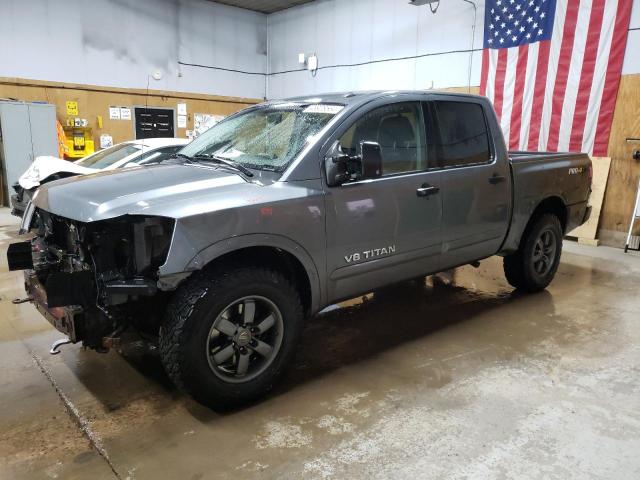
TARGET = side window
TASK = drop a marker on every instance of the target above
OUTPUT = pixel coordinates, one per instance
(463, 138)
(398, 129)
(158, 155)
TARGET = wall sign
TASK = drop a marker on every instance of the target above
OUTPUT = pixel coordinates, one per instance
(72, 107)
(125, 113)
(114, 113)
(106, 141)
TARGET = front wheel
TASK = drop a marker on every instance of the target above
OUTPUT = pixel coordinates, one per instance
(228, 337)
(534, 265)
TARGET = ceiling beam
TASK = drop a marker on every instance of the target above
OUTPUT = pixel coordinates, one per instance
(263, 6)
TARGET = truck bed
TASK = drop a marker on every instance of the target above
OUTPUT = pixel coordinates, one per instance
(548, 175)
(518, 156)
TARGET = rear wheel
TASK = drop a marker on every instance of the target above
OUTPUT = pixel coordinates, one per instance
(534, 265)
(228, 337)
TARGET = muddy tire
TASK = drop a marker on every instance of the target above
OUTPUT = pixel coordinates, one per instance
(534, 265)
(228, 336)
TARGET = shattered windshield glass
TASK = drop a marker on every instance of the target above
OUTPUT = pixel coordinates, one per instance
(267, 137)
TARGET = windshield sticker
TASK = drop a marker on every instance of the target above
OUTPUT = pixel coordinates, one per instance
(320, 108)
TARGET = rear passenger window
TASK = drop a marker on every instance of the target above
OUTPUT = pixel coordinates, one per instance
(463, 137)
(399, 131)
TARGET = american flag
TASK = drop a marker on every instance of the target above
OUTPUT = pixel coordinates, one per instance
(552, 70)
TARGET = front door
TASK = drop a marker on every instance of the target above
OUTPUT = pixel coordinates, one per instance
(154, 123)
(385, 229)
(477, 188)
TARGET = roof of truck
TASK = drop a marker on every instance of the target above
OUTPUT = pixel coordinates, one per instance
(349, 98)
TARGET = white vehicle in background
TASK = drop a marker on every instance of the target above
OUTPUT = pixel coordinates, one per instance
(126, 154)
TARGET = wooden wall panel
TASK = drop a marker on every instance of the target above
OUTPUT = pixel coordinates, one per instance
(474, 90)
(623, 176)
(94, 101)
(589, 230)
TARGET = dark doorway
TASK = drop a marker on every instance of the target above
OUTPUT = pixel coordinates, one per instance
(153, 122)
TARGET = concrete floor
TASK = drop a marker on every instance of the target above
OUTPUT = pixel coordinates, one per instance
(461, 381)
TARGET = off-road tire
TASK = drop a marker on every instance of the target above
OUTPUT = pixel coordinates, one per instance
(187, 324)
(518, 267)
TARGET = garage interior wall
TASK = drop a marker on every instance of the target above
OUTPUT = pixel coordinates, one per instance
(104, 52)
(354, 40)
(121, 43)
(94, 101)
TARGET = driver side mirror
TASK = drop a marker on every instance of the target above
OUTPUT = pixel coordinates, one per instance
(371, 159)
(341, 167)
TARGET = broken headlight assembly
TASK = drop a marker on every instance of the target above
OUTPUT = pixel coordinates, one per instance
(125, 254)
(93, 280)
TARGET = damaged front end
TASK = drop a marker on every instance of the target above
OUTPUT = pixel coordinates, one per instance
(94, 280)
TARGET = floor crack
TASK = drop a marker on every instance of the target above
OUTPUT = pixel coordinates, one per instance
(74, 413)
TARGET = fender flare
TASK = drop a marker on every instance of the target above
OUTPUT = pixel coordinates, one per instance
(222, 247)
(522, 218)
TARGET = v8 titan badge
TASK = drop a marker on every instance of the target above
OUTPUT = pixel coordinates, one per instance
(367, 254)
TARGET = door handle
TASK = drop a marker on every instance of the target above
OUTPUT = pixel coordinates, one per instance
(426, 190)
(495, 179)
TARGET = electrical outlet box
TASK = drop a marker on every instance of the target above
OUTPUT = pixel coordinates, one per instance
(312, 63)
(301, 58)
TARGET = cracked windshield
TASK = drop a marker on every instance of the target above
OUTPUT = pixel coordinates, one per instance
(264, 138)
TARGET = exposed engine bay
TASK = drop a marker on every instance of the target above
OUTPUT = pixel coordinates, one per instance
(95, 280)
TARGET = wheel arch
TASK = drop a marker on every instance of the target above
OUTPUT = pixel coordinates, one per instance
(554, 205)
(522, 221)
(271, 251)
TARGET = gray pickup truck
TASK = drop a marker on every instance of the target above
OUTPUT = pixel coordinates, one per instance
(220, 253)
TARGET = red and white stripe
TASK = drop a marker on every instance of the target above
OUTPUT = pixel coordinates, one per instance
(560, 94)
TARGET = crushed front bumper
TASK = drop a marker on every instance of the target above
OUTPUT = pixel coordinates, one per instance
(64, 319)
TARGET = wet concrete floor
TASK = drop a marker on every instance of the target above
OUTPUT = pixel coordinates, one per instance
(459, 380)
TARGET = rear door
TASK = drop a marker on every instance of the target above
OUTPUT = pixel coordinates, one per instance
(385, 229)
(477, 188)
